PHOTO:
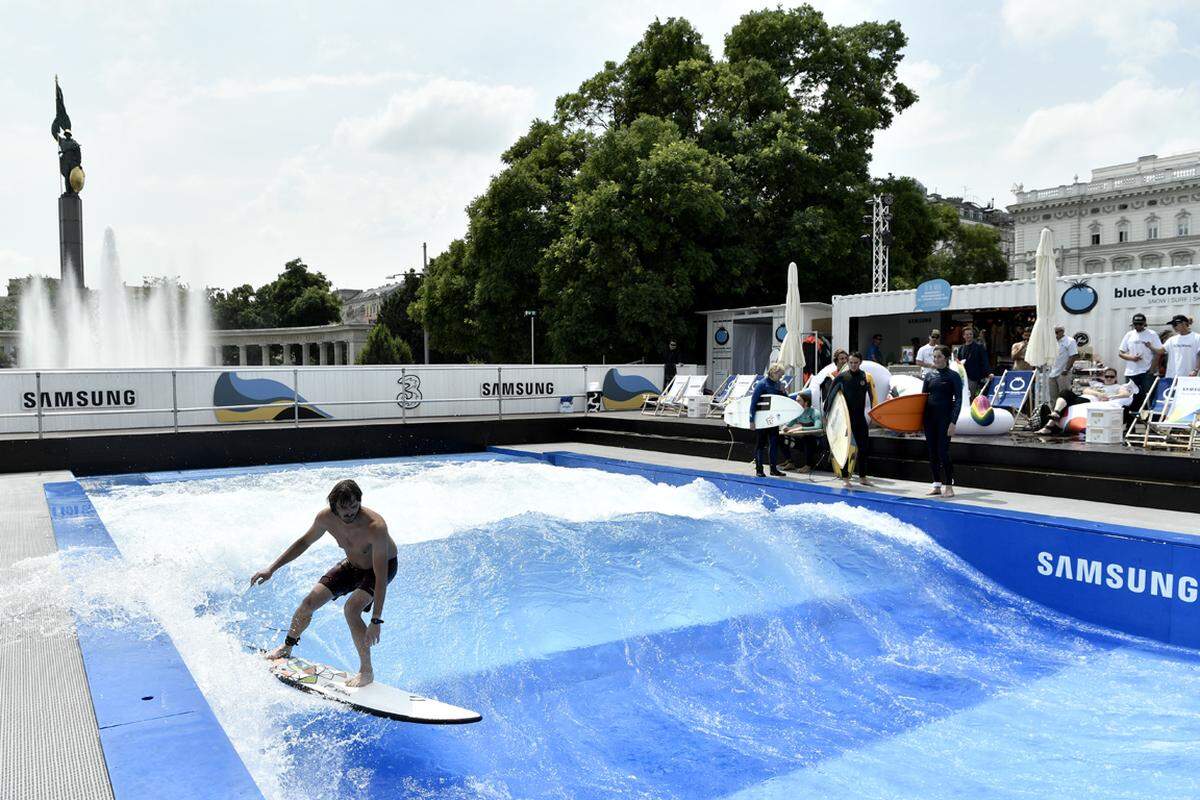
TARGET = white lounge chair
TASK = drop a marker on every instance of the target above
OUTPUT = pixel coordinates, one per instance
(694, 387)
(1176, 425)
(671, 393)
(741, 386)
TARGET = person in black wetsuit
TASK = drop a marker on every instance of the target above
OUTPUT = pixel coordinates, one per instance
(944, 387)
(859, 390)
(767, 385)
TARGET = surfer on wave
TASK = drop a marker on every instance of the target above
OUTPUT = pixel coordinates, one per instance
(364, 574)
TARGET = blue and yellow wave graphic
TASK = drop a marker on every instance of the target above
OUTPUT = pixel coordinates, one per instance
(626, 392)
(259, 400)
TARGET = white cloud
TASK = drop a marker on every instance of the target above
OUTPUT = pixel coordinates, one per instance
(235, 89)
(1133, 117)
(443, 114)
(1135, 31)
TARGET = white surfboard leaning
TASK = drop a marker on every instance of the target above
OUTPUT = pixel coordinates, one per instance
(840, 436)
(782, 410)
(375, 698)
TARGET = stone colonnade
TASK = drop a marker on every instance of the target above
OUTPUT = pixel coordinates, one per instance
(294, 354)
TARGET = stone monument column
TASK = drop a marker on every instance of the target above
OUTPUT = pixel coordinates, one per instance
(70, 206)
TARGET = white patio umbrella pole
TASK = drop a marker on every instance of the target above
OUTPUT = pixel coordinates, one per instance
(1043, 348)
(791, 355)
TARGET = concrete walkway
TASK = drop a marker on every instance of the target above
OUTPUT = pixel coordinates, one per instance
(49, 740)
(1178, 521)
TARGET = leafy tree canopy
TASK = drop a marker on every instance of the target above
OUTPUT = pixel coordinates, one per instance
(384, 348)
(298, 297)
(673, 181)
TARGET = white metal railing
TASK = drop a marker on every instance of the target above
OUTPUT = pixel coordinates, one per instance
(1099, 187)
(459, 405)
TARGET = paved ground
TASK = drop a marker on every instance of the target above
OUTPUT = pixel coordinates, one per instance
(1178, 521)
(49, 741)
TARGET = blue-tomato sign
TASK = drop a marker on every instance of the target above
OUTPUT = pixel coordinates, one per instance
(933, 295)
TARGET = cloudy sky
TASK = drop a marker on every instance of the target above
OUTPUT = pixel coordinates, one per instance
(222, 139)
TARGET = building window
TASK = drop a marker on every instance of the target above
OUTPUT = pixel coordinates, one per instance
(1045, 216)
(1093, 265)
(1123, 230)
(1151, 261)
(1152, 228)
(1183, 224)
(1095, 237)
(1122, 262)
(1181, 258)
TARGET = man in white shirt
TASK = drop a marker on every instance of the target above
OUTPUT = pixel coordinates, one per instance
(1064, 361)
(1183, 349)
(1140, 350)
(925, 354)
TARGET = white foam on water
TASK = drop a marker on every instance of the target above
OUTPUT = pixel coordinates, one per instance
(186, 543)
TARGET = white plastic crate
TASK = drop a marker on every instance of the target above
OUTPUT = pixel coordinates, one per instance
(1104, 435)
(1106, 418)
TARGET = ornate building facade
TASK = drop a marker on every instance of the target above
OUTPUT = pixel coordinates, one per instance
(1138, 215)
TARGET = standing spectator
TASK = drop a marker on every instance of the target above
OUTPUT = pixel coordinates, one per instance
(1183, 349)
(670, 363)
(974, 356)
(1140, 350)
(859, 390)
(942, 407)
(874, 350)
(925, 354)
(1064, 362)
(767, 385)
(1018, 351)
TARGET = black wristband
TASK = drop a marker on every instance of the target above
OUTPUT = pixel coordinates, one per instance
(376, 621)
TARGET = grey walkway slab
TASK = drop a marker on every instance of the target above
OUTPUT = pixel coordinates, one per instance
(1178, 521)
(49, 740)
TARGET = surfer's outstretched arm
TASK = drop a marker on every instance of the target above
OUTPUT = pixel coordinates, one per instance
(294, 551)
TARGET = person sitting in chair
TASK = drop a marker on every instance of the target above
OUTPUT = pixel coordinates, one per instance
(1107, 392)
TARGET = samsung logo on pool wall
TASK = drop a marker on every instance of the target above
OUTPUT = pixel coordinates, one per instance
(83, 398)
(1138, 580)
(516, 389)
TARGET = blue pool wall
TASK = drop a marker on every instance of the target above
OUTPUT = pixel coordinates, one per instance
(1003, 545)
(173, 745)
(159, 735)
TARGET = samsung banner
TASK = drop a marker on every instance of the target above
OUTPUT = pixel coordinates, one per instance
(157, 398)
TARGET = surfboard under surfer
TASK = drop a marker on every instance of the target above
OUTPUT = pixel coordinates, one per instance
(364, 574)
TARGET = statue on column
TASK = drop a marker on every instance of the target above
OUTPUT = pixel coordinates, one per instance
(69, 155)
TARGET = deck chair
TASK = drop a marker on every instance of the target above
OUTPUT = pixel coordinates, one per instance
(718, 397)
(671, 392)
(1013, 391)
(742, 385)
(1153, 402)
(693, 387)
(1176, 426)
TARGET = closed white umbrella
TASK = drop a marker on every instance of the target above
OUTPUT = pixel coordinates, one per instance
(1042, 345)
(791, 355)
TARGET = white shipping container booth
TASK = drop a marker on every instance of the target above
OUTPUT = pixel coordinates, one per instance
(744, 341)
(1095, 309)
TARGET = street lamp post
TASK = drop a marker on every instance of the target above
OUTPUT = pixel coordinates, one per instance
(532, 316)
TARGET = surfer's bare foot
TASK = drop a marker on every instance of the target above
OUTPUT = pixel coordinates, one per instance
(283, 651)
(846, 483)
(948, 492)
(361, 679)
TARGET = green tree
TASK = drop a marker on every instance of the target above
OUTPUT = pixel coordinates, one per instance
(236, 309)
(298, 297)
(384, 348)
(673, 181)
(965, 253)
(395, 316)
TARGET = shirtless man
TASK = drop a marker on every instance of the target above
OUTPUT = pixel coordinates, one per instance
(370, 556)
